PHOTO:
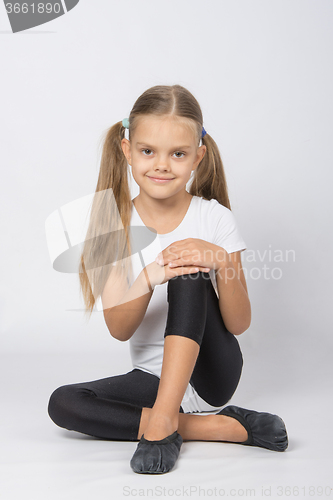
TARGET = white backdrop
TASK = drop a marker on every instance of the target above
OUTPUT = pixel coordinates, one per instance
(262, 72)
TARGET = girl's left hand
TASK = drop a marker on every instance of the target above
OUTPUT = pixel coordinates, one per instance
(193, 252)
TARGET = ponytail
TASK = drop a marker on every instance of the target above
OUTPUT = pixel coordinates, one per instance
(107, 244)
(209, 179)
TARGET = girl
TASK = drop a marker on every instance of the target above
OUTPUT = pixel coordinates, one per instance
(181, 309)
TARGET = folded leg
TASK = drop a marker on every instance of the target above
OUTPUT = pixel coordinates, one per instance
(108, 408)
(194, 313)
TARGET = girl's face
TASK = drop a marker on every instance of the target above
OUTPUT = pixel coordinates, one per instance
(162, 148)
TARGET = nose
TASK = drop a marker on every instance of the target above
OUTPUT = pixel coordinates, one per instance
(162, 164)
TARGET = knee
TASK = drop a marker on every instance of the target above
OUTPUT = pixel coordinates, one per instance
(60, 405)
(189, 283)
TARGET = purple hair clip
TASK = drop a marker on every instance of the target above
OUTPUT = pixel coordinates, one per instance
(203, 132)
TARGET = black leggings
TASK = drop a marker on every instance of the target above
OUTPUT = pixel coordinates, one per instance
(110, 408)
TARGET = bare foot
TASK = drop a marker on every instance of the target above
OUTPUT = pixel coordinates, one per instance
(160, 426)
(229, 429)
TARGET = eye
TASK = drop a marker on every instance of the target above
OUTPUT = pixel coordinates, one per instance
(179, 153)
(142, 150)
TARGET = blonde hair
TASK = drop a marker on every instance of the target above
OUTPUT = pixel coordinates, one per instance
(105, 250)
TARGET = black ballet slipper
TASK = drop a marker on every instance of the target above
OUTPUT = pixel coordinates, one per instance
(156, 457)
(264, 429)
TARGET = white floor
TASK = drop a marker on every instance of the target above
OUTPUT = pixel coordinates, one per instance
(42, 461)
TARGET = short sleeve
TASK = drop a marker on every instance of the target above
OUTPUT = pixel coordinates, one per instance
(226, 233)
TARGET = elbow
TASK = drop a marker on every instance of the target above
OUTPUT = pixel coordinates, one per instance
(114, 329)
(242, 327)
(122, 337)
(239, 331)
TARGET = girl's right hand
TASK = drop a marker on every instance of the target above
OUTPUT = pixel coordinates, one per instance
(161, 274)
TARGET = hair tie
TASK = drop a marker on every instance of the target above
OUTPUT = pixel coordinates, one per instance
(203, 132)
(125, 123)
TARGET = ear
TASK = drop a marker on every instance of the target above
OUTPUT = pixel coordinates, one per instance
(201, 151)
(126, 147)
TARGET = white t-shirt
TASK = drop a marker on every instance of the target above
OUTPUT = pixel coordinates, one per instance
(206, 220)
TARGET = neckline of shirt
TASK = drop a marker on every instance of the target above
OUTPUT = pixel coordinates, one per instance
(165, 235)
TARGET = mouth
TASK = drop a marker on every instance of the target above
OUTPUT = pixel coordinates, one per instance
(160, 180)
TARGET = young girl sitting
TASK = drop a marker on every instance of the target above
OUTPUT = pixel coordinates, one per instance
(181, 310)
